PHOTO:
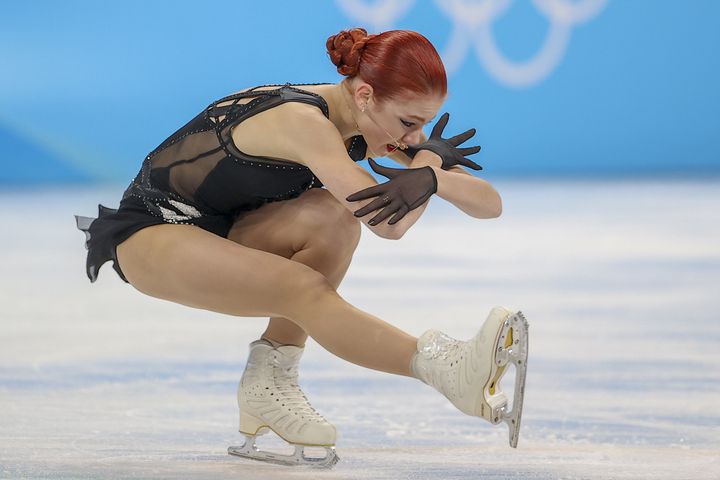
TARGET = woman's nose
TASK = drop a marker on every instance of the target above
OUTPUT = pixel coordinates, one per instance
(412, 138)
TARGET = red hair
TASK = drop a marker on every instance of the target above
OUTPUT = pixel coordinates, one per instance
(396, 63)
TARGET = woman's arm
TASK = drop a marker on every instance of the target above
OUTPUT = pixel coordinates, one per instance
(471, 194)
(317, 144)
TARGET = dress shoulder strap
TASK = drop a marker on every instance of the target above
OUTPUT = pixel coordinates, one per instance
(228, 112)
(285, 92)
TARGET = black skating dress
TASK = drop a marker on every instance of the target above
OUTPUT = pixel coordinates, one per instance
(198, 177)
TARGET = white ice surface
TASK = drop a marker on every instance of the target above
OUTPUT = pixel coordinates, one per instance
(620, 282)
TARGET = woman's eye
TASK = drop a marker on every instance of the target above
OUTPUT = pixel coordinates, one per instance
(407, 124)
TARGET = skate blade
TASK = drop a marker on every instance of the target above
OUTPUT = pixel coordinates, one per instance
(515, 352)
(250, 451)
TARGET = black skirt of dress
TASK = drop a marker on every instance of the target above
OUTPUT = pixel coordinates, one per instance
(113, 226)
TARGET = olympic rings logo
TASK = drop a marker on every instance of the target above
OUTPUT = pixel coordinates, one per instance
(472, 22)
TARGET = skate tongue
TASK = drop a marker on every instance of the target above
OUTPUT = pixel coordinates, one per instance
(289, 355)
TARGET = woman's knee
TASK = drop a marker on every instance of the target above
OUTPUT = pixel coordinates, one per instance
(303, 288)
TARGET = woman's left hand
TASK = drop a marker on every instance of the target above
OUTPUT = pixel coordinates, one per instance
(407, 189)
(447, 149)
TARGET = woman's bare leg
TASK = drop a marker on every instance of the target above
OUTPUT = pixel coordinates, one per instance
(313, 229)
(187, 265)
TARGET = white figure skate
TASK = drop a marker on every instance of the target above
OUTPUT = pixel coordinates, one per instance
(270, 399)
(468, 373)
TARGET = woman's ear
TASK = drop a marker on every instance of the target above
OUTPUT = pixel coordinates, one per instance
(363, 94)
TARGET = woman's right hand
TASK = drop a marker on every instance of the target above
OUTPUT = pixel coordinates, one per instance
(407, 189)
(447, 148)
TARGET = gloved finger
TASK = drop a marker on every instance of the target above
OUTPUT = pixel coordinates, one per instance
(440, 126)
(470, 164)
(383, 170)
(376, 204)
(369, 192)
(463, 137)
(386, 212)
(468, 150)
(399, 215)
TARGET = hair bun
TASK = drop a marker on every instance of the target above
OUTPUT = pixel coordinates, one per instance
(345, 49)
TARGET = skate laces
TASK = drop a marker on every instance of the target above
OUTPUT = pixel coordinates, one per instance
(286, 382)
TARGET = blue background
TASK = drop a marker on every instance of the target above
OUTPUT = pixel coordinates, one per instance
(89, 88)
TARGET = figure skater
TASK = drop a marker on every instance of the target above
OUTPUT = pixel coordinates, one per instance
(253, 209)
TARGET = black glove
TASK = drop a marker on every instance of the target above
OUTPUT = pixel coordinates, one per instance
(446, 148)
(407, 189)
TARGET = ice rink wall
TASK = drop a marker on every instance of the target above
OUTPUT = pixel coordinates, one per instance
(554, 87)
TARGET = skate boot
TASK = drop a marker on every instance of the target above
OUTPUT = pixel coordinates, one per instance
(468, 373)
(270, 399)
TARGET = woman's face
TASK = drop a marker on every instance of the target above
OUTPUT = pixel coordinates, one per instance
(396, 121)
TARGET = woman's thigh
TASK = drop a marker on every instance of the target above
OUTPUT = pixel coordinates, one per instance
(284, 228)
(190, 266)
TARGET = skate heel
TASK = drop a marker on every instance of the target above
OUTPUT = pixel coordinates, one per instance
(250, 425)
